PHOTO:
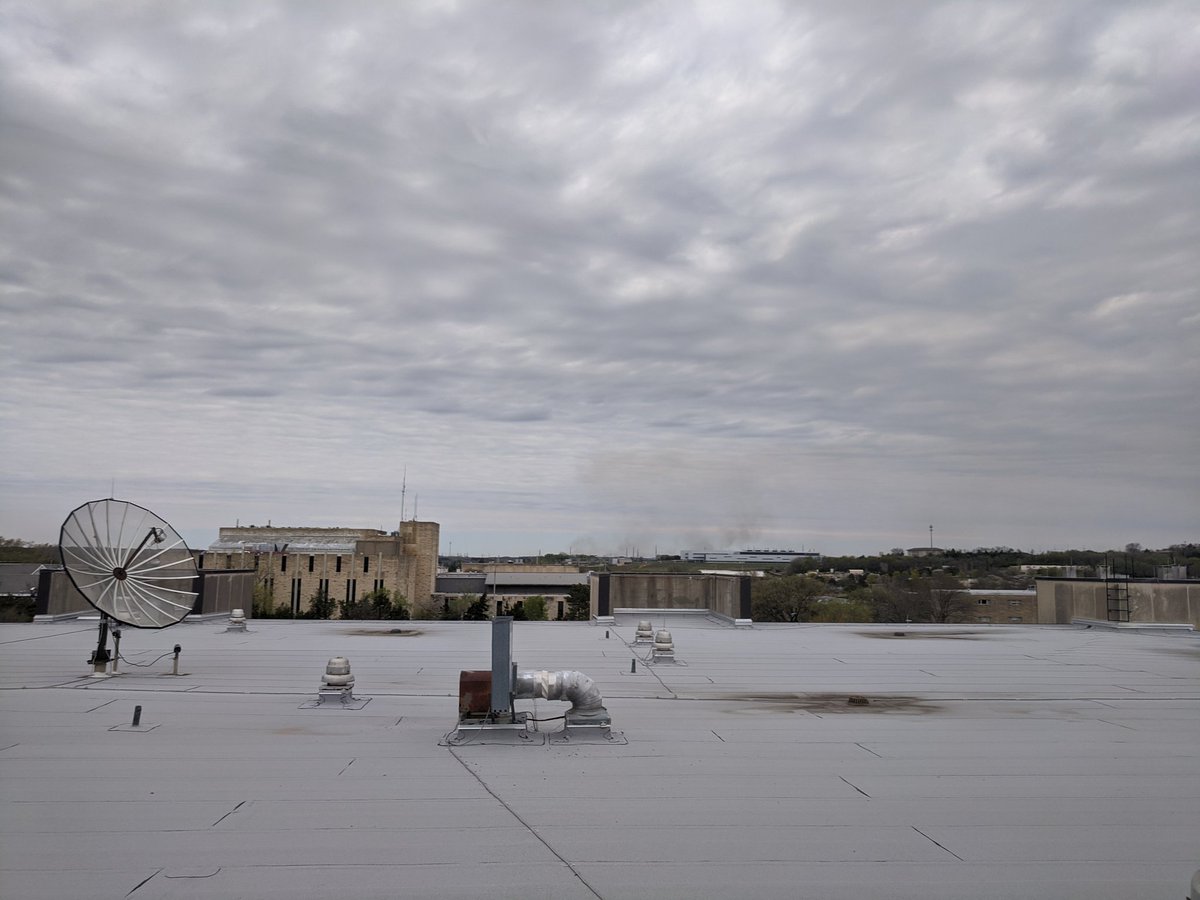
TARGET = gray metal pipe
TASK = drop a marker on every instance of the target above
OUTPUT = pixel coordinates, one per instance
(575, 687)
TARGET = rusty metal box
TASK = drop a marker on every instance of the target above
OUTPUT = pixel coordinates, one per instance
(474, 693)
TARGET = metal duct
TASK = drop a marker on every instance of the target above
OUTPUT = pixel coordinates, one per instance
(574, 687)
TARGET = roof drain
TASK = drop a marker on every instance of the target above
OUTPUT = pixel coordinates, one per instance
(587, 706)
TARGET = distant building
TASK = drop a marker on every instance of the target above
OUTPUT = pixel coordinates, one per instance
(295, 563)
(925, 551)
(748, 556)
(1003, 607)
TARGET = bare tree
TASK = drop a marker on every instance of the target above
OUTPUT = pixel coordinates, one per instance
(945, 599)
(936, 598)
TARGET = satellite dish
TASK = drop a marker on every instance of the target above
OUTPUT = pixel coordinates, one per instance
(128, 563)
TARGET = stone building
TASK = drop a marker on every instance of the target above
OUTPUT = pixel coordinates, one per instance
(295, 563)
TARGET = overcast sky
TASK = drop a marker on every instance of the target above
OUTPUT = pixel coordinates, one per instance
(606, 276)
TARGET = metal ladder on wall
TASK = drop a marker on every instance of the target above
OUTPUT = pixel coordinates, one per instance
(1117, 592)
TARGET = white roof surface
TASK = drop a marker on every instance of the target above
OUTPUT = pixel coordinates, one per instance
(1001, 762)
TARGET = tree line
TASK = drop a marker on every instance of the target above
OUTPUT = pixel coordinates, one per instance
(906, 597)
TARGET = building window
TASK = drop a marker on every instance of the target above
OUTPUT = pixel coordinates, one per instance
(200, 561)
(379, 584)
(338, 566)
(229, 560)
(311, 561)
(351, 590)
(283, 564)
(983, 618)
(983, 601)
(1014, 618)
(1014, 602)
(366, 564)
(295, 596)
(323, 586)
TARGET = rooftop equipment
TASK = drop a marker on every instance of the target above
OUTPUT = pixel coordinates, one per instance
(644, 633)
(485, 698)
(130, 565)
(337, 686)
(664, 647)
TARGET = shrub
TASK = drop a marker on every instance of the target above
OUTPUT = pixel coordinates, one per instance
(535, 608)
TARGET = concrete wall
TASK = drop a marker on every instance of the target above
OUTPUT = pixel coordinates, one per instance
(726, 595)
(218, 592)
(57, 596)
(222, 592)
(1167, 602)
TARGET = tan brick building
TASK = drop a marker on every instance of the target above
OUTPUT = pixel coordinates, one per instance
(295, 563)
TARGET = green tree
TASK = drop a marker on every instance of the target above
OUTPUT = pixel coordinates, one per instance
(841, 609)
(784, 598)
(262, 603)
(379, 602)
(354, 609)
(15, 550)
(477, 610)
(535, 608)
(579, 603)
(320, 606)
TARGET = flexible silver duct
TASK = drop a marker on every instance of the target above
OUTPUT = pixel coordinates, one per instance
(574, 687)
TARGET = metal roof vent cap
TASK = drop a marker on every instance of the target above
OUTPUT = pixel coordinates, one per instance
(645, 632)
(664, 646)
(337, 686)
(337, 677)
(237, 620)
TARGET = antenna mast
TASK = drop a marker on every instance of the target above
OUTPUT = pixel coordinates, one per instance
(403, 490)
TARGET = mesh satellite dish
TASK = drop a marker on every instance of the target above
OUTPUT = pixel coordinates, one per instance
(128, 563)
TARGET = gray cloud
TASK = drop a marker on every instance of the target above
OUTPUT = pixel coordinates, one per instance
(662, 273)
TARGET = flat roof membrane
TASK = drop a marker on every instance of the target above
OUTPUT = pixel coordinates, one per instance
(988, 762)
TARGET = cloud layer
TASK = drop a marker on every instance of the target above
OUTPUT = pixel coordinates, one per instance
(616, 275)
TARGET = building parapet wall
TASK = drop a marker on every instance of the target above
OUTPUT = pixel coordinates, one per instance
(1060, 600)
(726, 595)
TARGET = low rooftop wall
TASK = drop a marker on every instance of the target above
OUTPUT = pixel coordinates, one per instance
(726, 595)
(1061, 600)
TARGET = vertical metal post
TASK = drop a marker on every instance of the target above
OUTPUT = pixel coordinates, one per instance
(502, 664)
(175, 667)
(100, 657)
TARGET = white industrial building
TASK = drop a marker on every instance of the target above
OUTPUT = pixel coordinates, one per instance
(748, 556)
